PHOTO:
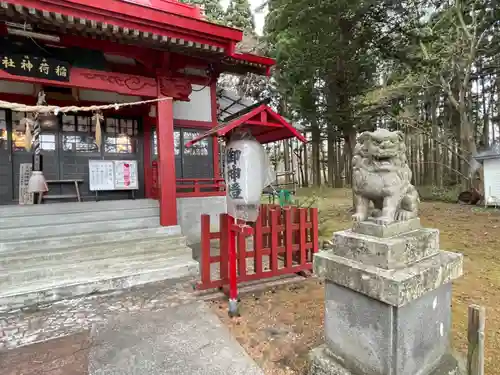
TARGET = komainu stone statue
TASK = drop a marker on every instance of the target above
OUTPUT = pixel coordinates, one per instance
(381, 175)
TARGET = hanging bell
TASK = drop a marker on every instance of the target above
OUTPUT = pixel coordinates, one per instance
(48, 121)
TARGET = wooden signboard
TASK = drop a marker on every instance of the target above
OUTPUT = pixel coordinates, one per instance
(36, 67)
(24, 177)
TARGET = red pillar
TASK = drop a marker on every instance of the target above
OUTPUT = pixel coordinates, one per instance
(215, 122)
(166, 161)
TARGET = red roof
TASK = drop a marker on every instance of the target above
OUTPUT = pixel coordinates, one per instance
(264, 124)
(153, 20)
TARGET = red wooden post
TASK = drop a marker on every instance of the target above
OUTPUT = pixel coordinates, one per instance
(166, 161)
(296, 220)
(302, 236)
(314, 231)
(224, 248)
(233, 282)
(242, 254)
(257, 244)
(205, 249)
(273, 259)
(288, 238)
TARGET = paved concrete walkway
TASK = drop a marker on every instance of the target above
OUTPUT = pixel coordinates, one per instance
(180, 340)
(150, 330)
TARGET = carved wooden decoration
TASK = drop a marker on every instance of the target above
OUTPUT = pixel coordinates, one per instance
(134, 83)
(176, 88)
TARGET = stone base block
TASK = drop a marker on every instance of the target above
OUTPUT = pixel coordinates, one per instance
(389, 253)
(370, 228)
(393, 287)
(374, 338)
(323, 362)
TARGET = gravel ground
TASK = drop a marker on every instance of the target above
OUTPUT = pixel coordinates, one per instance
(67, 317)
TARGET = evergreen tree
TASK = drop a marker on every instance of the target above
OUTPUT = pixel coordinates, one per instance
(213, 9)
(239, 15)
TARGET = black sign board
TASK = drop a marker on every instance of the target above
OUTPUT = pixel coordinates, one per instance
(234, 173)
(37, 67)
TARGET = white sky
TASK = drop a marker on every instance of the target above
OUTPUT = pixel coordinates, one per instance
(259, 17)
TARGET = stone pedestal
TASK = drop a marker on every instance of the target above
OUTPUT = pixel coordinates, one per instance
(387, 302)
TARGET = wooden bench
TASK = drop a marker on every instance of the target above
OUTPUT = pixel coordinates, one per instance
(131, 193)
(65, 196)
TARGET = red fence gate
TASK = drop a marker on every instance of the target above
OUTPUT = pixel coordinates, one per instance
(284, 241)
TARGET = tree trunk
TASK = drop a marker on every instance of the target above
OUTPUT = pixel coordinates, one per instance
(286, 160)
(331, 138)
(305, 162)
(340, 165)
(316, 163)
(435, 166)
(324, 164)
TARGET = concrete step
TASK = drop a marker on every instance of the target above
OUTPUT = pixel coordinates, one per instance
(45, 244)
(76, 217)
(95, 226)
(101, 268)
(46, 291)
(11, 261)
(72, 207)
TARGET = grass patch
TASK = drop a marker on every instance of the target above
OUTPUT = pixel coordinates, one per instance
(444, 194)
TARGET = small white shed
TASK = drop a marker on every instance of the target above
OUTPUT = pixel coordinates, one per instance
(491, 169)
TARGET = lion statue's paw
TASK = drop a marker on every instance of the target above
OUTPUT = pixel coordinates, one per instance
(403, 215)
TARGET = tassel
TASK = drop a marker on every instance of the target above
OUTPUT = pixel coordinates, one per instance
(27, 135)
(98, 117)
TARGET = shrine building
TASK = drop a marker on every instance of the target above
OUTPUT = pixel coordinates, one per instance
(86, 53)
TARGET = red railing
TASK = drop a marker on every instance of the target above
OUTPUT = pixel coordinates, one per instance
(200, 187)
(190, 187)
(284, 241)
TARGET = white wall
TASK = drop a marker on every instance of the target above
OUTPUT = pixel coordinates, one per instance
(492, 181)
(106, 97)
(199, 108)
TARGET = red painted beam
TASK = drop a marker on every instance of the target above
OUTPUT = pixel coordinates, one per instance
(248, 57)
(125, 84)
(123, 14)
(193, 124)
(266, 124)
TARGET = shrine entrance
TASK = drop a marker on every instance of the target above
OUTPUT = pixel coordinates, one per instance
(66, 152)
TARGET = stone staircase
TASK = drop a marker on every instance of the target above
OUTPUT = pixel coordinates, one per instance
(55, 251)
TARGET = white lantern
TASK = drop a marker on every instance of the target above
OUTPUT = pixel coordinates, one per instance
(247, 173)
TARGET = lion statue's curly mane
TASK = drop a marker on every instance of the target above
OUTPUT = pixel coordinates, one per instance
(381, 175)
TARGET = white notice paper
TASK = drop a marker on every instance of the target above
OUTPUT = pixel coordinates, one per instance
(101, 175)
